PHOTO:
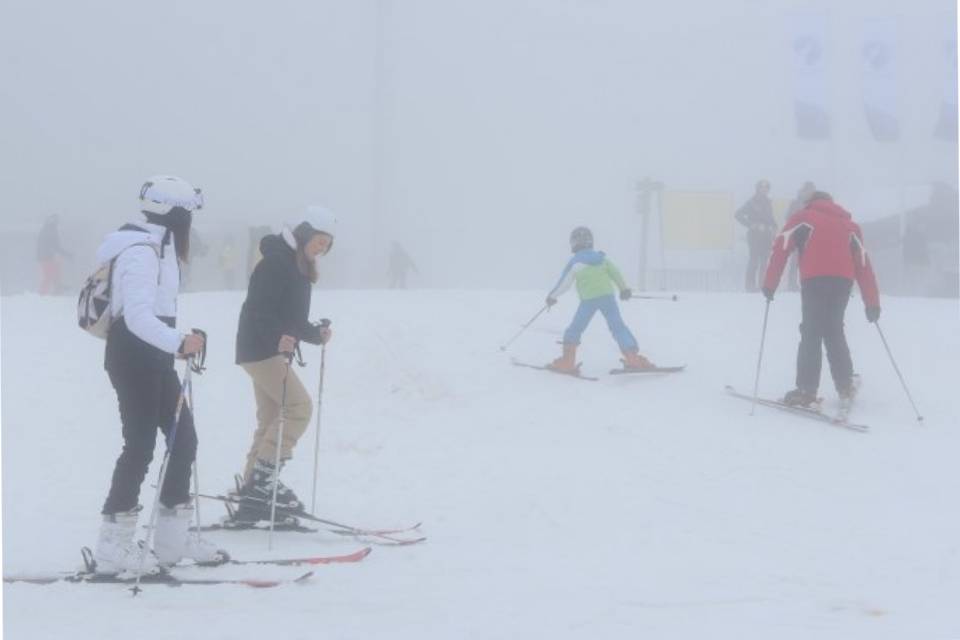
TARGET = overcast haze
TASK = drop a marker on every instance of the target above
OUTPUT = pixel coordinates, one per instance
(476, 133)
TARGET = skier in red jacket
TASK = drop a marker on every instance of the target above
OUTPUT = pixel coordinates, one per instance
(831, 257)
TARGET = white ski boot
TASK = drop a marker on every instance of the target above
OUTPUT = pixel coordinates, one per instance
(116, 552)
(173, 541)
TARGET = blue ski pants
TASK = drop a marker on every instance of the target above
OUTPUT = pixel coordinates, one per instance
(607, 305)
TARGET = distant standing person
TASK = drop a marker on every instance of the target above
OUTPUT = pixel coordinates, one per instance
(757, 216)
(49, 253)
(832, 256)
(798, 203)
(400, 264)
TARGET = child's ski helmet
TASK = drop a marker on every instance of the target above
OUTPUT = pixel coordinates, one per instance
(581, 238)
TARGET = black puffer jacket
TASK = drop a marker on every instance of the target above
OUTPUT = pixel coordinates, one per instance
(277, 304)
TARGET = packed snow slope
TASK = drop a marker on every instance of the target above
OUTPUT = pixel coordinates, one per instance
(631, 507)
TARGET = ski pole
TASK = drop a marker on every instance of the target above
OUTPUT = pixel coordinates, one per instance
(199, 366)
(196, 471)
(316, 446)
(276, 465)
(763, 337)
(672, 298)
(524, 328)
(171, 439)
(897, 369)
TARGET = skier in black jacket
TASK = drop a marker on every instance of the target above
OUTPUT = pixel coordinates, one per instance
(273, 320)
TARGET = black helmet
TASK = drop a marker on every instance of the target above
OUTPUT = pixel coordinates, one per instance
(581, 238)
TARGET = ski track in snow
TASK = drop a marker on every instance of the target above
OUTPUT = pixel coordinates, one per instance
(629, 507)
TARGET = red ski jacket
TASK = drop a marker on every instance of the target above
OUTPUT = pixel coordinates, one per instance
(830, 244)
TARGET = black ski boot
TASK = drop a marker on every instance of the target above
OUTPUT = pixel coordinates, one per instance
(257, 494)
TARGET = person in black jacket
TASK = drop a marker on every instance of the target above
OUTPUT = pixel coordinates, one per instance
(273, 320)
(757, 216)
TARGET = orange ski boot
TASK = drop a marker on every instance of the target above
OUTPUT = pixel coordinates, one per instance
(633, 360)
(567, 363)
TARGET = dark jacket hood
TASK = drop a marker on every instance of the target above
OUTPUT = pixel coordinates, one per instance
(274, 245)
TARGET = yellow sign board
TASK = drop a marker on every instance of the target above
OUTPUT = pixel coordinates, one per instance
(780, 208)
(697, 220)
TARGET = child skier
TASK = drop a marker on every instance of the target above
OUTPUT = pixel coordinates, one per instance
(832, 255)
(595, 276)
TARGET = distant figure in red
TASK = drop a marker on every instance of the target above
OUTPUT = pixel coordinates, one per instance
(49, 253)
(756, 215)
(832, 256)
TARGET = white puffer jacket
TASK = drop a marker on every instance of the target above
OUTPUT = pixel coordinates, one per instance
(144, 286)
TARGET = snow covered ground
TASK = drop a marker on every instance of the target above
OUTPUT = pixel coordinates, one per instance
(630, 507)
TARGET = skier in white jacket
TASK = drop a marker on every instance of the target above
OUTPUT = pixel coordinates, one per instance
(142, 344)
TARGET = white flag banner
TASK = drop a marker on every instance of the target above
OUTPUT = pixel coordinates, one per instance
(878, 69)
(807, 32)
(946, 128)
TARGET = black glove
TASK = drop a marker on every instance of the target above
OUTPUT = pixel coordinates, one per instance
(626, 294)
(767, 293)
(873, 314)
(551, 301)
(313, 333)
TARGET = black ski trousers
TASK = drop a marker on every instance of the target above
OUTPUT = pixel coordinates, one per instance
(824, 301)
(148, 401)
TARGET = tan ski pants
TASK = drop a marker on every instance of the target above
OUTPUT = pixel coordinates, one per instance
(267, 376)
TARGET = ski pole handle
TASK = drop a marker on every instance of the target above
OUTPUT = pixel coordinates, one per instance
(198, 361)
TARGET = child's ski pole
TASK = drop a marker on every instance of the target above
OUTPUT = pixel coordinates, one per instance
(524, 328)
(670, 297)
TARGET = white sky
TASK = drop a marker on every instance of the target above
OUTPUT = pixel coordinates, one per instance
(496, 126)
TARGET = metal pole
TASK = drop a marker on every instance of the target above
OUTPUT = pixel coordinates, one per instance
(196, 472)
(524, 328)
(763, 337)
(171, 439)
(316, 445)
(276, 464)
(900, 375)
(381, 131)
(643, 208)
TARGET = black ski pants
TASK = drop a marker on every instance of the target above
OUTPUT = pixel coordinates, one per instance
(148, 401)
(824, 301)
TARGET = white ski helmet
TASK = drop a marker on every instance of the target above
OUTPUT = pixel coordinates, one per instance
(160, 194)
(321, 220)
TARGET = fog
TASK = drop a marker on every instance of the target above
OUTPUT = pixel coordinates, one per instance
(476, 134)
